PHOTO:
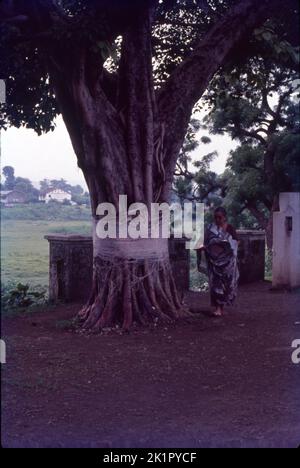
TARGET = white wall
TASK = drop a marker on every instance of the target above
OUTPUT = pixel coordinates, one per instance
(286, 244)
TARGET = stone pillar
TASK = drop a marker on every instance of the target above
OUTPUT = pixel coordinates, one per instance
(286, 242)
(70, 267)
(180, 262)
(251, 256)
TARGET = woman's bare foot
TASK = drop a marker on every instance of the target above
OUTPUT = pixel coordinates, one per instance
(218, 312)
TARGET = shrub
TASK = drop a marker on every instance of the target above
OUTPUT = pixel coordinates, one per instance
(21, 296)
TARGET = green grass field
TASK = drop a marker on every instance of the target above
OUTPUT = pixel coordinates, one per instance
(25, 252)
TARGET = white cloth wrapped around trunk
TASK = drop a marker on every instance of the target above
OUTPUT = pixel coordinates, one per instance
(128, 248)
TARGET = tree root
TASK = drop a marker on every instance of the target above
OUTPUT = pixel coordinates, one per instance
(127, 292)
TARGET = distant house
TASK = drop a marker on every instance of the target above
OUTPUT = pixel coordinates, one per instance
(13, 197)
(57, 195)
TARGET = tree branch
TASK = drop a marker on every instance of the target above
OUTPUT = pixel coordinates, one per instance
(251, 206)
(190, 79)
(252, 134)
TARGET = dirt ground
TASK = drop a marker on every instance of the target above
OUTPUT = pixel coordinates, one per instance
(226, 382)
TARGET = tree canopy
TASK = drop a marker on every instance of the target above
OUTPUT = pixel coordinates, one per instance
(37, 35)
(126, 76)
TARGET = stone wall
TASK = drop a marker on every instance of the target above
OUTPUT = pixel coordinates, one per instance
(180, 262)
(71, 260)
(251, 256)
(70, 267)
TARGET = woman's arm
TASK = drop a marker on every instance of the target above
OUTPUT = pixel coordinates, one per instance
(231, 230)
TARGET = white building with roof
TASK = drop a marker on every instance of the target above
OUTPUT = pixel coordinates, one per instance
(57, 195)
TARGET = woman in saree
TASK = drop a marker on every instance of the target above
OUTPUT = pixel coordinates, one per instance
(220, 246)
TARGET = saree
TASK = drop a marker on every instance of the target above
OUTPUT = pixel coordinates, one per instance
(221, 258)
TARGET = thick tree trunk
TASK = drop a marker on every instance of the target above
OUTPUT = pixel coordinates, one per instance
(126, 292)
(274, 204)
(266, 222)
(135, 290)
(120, 149)
(269, 233)
(269, 226)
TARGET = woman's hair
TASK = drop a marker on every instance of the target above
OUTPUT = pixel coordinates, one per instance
(221, 210)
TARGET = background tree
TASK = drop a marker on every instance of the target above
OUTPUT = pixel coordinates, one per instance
(19, 183)
(258, 105)
(127, 117)
(25, 185)
(206, 186)
(183, 178)
(61, 184)
(9, 174)
(81, 199)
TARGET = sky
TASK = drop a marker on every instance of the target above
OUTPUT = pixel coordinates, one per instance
(51, 156)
